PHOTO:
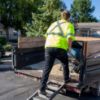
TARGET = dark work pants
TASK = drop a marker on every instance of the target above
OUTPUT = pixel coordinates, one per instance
(50, 55)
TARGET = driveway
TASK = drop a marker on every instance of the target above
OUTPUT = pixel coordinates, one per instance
(15, 87)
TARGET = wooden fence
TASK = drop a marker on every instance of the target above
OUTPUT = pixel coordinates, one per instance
(30, 42)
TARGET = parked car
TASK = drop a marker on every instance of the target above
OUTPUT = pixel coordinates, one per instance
(2, 51)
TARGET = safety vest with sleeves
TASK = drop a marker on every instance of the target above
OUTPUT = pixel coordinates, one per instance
(58, 34)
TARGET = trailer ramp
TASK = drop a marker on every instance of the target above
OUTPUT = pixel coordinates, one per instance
(52, 90)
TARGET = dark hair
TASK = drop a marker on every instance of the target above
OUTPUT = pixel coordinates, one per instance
(65, 15)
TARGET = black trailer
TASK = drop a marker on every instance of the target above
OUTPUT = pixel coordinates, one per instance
(89, 73)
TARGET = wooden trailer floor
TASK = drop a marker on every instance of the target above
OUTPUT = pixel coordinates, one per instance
(56, 73)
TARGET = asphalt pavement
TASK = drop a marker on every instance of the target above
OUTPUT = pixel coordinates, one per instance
(14, 86)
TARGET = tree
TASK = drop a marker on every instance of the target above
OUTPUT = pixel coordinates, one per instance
(47, 12)
(40, 13)
(16, 13)
(82, 10)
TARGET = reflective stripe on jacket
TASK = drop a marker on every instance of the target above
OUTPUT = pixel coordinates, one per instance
(58, 34)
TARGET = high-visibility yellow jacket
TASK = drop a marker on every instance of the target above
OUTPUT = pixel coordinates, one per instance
(58, 34)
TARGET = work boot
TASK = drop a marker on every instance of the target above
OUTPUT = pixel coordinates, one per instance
(68, 80)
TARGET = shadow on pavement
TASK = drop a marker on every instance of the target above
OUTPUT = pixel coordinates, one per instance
(84, 96)
(5, 69)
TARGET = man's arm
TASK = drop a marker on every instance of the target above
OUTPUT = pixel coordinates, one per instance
(70, 43)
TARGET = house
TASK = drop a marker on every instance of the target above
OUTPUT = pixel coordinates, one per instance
(90, 29)
(12, 33)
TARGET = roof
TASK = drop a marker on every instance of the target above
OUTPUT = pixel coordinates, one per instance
(89, 25)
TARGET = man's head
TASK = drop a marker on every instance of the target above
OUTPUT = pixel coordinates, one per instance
(65, 15)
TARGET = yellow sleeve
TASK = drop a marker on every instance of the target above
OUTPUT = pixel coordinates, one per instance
(71, 32)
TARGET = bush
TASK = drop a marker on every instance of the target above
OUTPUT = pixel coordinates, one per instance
(8, 47)
(3, 40)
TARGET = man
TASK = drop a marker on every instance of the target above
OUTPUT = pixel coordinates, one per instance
(59, 40)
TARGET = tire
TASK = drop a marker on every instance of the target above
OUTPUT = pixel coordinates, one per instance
(98, 93)
(0, 55)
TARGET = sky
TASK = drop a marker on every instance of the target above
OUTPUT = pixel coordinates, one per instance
(95, 3)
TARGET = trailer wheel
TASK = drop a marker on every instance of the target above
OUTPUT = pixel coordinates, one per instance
(94, 91)
(98, 93)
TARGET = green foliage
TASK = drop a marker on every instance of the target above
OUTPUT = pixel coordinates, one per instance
(16, 13)
(48, 11)
(7, 47)
(3, 41)
(82, 10)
